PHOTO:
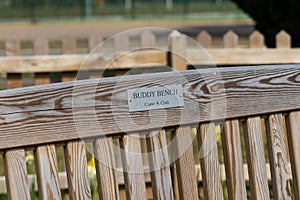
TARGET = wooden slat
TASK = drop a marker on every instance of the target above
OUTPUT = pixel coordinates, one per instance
(12, 47)
(159, 165)
(232, 152)
(77, 171)
(177, 51)
(68, 45)
(47, 172)
(68, 76)
(121, 42)
(14, 81)
(204, 39)
(210, 168)
(278, 157)
(147, 40)
(256, 160)
(105, 169)
(185, 170)
(16, 174)
(283, 40)
(53, 103)
(230, 40)
(256, 40)
(58, 63)
(294, 148)
(133, 167)
(41, 78)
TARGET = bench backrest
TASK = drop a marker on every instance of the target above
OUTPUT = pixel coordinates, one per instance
(265, 99)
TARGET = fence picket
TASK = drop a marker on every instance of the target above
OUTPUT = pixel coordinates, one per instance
(256, 40)
(230, 40)
(177, 51)
(94, 41)
(283, 40)
(147, 40)
(204, 39)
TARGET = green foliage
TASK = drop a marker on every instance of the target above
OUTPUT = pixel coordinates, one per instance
(271, 16)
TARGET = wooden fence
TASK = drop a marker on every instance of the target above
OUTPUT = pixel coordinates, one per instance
(42, 57)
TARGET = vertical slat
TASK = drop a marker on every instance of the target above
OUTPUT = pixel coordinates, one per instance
(185, 166)
(13, 48)
(94, 41)
(256, 160)
(68, 45)
(209, 162)
(68, 76)
(204, 39)
(294, 148)
(230, 40)
(47, 172)
(133, 167)
(105, 169)
(41, 78)
(233, 160)
(16, 175)
(77, 171)
(283, 40)
(147, 40)
(177, 51)
(256, 40)
(159, 165)
(40, 46)
(278, 157)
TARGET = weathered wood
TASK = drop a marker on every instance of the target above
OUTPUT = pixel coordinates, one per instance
(278, 157)
(283, 40)
(58, 63)
(68, 45)
(12, 47)
(177, 51)
(256, 40)
(230, 40)
(148, 40)
(210, 169)
(77, 171)
(24, 111)
(204, 39)
(256, 159)
(41, 78)
(47, 172)
(294, 148)
(105, 169)
(16, 174)
(14, 81)
(232, 152)
(68, 76)
(133, 167)
(159, 165)
(185, 170)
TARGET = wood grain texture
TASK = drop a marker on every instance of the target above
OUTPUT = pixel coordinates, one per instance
(283, 40)
(59, 63)
(185, 170)
(230, 40)
(105, 169)
(256, 40)
(232, 152)
(133, 167)
(47, 172)
(278, 157)
(294, 148)
(77, 171)
(177, 51)
(159, 165)
(256, 159)
(204, 39)
(249, 91)
(16, 175)
(210, 168)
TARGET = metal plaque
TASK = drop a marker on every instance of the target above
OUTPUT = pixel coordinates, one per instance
(141, 99)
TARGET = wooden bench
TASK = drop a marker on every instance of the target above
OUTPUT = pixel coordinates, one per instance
(264, 99)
